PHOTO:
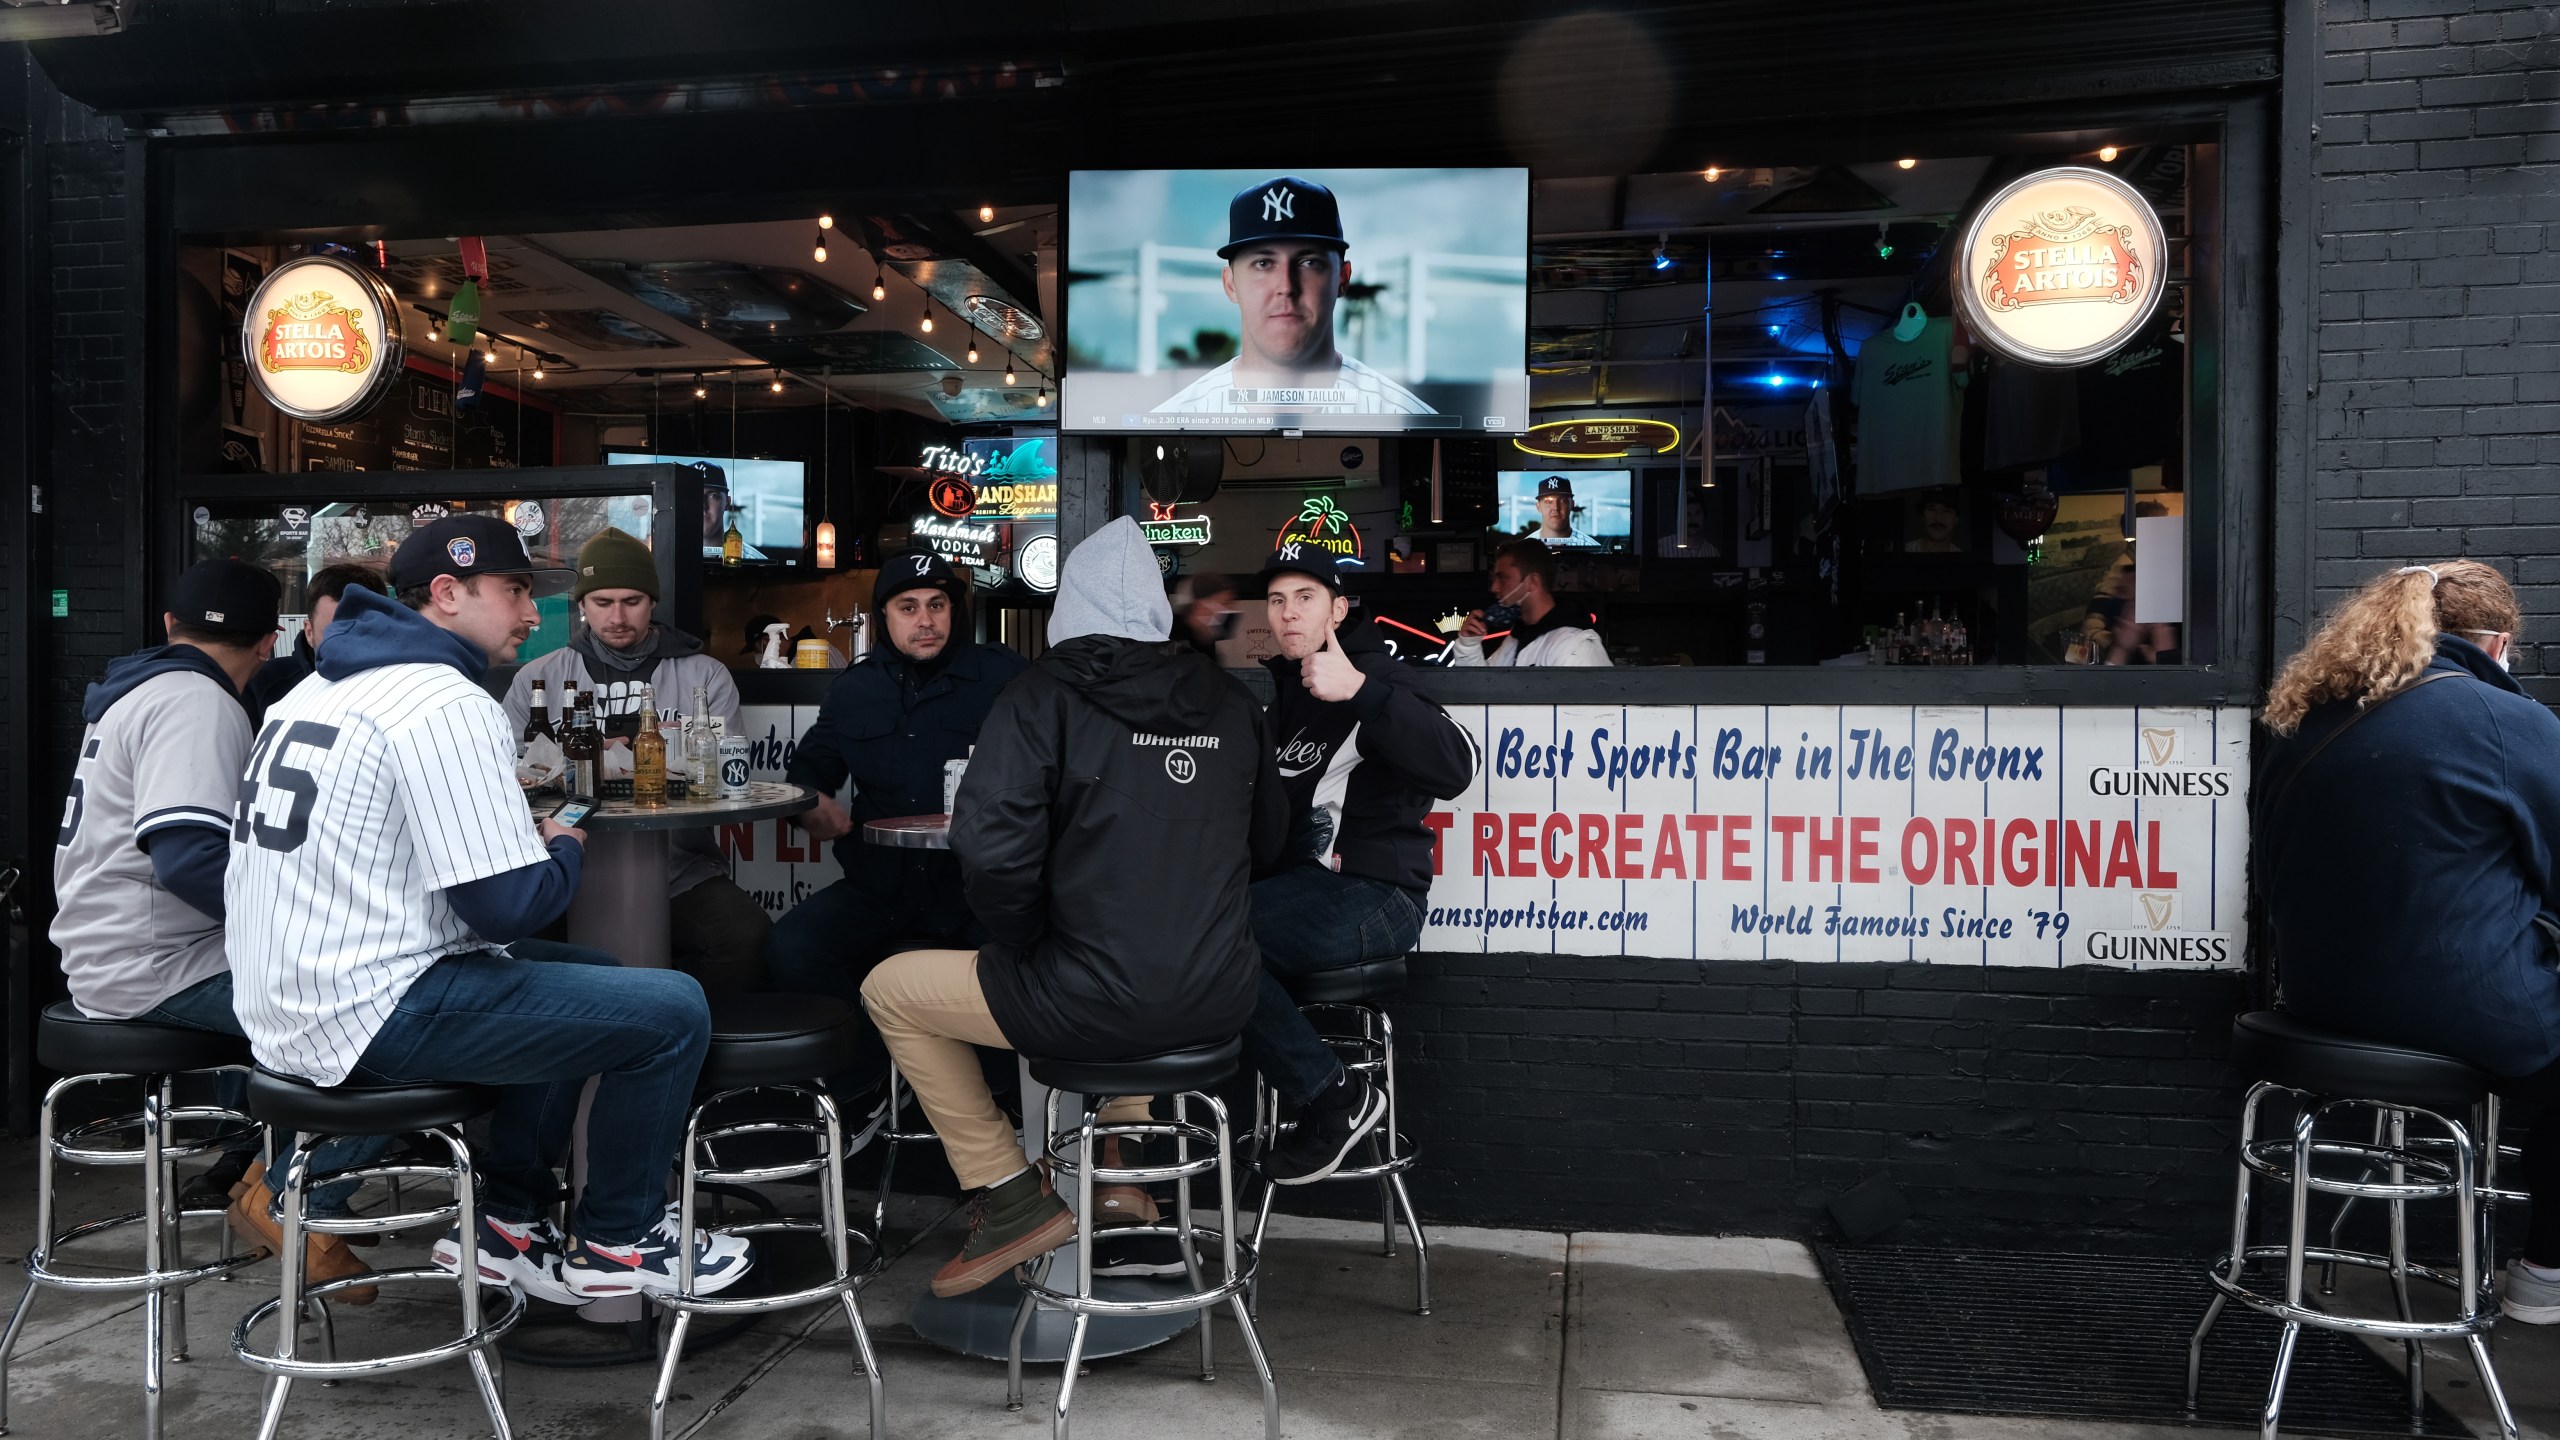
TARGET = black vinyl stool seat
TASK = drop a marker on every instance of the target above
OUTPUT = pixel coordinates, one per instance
(1079, 1164)
(295, 1108)
(778, 1040)
(2328, 1074)
(1361, 984)
(775, 1045)
(1366, 1048)
(77, 1044)
(89, 1052)
(1172, 1072)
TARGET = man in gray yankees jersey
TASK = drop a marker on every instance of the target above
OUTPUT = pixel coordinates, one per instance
(139, 860)
(384, 872)
(1287, 267)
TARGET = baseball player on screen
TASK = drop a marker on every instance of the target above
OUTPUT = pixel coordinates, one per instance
(384, 873)
(1287, 266)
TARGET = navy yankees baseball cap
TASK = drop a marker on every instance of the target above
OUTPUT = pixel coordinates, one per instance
(1555, 485)
(466, 545)
(1300, 557)
(227, 596)
(1282, 208)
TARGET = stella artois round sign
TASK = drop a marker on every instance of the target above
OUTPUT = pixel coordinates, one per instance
(322, 338)
(2062, 267)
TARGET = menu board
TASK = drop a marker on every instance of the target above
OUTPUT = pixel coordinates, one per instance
(416, 428)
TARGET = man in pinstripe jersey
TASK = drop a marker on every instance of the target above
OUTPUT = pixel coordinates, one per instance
(384, 875)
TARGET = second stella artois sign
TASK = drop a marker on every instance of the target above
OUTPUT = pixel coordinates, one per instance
(323, 338)
(2062, 267)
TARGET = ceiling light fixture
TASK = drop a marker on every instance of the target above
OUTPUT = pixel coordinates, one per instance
(1884, 242)
(776, 385)
(2106, 154)
(826, 535)
(538, 373)
(1662, 253)
(1710, 174)
(700, 390)
(1907, 164)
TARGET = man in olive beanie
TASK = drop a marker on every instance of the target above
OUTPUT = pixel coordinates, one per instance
(715, 930)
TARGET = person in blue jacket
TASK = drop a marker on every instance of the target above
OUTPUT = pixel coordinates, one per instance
(890, 724)
(2408, 851)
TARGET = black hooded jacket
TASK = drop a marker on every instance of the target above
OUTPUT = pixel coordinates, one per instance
(1363, 772)
(1102, 842)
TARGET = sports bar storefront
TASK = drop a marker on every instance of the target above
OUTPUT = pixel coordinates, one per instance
(1909, 384)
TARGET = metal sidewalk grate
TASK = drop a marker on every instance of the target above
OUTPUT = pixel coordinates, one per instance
(2096, 1337)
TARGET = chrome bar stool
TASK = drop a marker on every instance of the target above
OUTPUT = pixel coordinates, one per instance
(93, 1052)
(777, 1045)
(438, 1110)
(2328, 1073)
(1354, 994)
(1187, 1077)
(899, 1100)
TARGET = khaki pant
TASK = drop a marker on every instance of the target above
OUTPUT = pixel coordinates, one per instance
(930, 1010)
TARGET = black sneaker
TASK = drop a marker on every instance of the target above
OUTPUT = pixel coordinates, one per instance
(1328, 1129)
(1137, 1255)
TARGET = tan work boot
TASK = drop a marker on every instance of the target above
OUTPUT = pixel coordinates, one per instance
(324, 1257)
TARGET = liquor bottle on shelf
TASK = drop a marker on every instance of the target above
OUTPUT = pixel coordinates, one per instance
(733, 545)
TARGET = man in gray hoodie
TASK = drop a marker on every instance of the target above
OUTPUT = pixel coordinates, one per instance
(715, 930)
(1122, 794)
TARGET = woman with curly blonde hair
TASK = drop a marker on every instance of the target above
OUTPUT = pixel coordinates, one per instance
(2407, 851)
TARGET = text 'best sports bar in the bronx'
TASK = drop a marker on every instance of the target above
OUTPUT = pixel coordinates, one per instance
(826, 666)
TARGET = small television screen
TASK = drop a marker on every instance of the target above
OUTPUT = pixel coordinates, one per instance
(772, 497)
(1569, 509)
(1361, 301)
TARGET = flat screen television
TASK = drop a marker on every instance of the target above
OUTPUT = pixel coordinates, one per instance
(1586, 510)
(1259, 301)
(772, 497)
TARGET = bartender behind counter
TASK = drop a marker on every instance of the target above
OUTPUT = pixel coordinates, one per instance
(715, 930)
(891, 723)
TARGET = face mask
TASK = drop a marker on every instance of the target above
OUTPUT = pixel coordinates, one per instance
(1505, 613)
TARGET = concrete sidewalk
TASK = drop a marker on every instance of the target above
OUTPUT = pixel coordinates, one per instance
(1594, 1336)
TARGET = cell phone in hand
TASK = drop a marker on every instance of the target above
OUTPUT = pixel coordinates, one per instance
(573, 811)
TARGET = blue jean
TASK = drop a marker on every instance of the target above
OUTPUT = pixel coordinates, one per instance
(830, 943)
(1306, 919)
(537, 1023)
(206, 1005)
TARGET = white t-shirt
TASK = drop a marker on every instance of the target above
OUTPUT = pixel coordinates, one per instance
(164, 756)
(1355, 390)
(367, 798)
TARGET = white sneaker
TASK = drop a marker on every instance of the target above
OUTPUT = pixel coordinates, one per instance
(649, 1265)
(2530, 1299)
(525, 1256)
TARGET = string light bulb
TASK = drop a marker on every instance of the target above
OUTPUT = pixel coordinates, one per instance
(1008, 369)
(1711, 174)
(539, 373)
(986, 214)
(2106, 154)
(926, 324)
(973, 352)
(776, 385)
(1907, 164)
(818, 252)
(700, 390)
(1043, 401)
(826, 222)
(879, 279)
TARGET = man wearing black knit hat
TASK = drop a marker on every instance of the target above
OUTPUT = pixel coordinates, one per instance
(889, 724)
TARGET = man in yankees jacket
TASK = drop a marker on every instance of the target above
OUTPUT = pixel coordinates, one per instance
(1362, 755)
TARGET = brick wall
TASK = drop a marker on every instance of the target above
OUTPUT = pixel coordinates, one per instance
(2046, 1108)
(2437, 421)
(91, 468)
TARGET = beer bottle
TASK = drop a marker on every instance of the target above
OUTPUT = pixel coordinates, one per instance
(701, 745)
(733, 546)
(537, 722)
(648, 755)
(583, 745)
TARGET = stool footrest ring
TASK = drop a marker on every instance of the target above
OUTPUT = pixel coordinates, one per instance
(487, 1333)
(2278, 1307)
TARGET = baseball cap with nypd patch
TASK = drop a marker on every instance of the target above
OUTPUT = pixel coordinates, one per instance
(1301, 557)
(1282, 208)
(468, 545)
(227, 596)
